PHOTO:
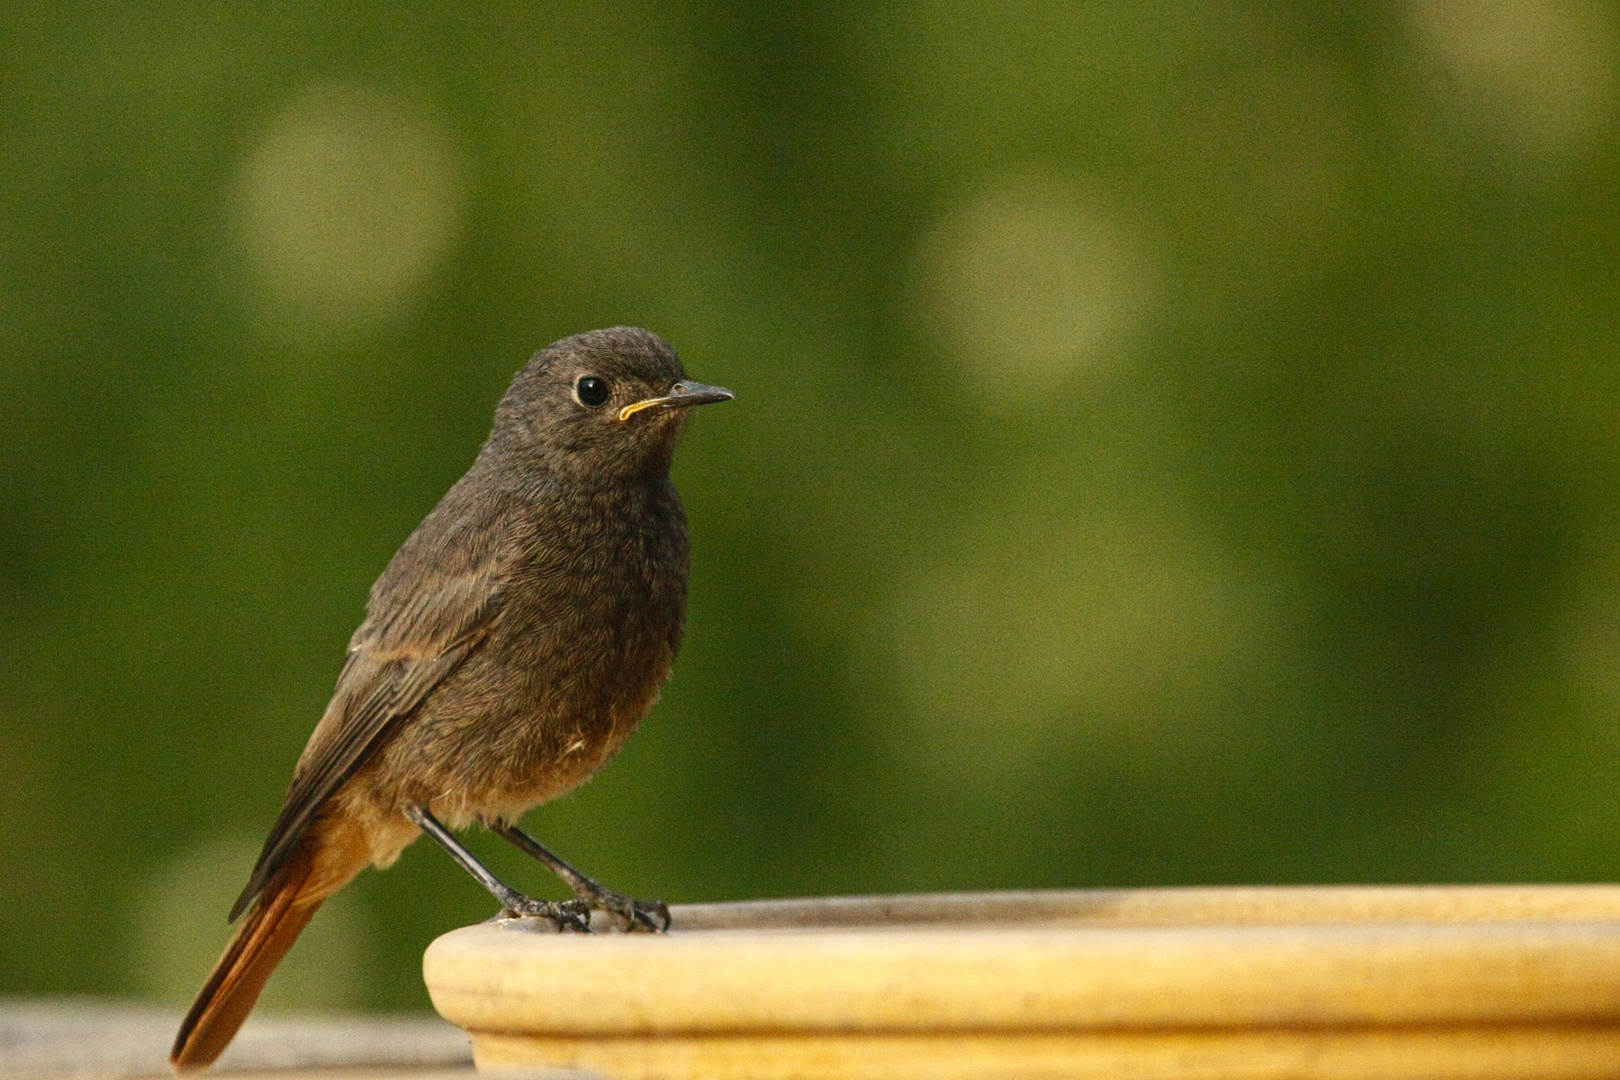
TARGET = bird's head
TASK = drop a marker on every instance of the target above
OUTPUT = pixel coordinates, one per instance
(605, 403)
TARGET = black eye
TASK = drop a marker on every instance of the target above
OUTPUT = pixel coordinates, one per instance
(591, 392)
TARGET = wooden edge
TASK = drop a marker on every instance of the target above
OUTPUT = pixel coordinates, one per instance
(489, 979)
(1508, 1053)
(1230, 906)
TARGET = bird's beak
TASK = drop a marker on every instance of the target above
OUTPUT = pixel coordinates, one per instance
(682, 395)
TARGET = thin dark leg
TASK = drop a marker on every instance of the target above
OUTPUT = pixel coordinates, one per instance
(630, 914)
(570, 915)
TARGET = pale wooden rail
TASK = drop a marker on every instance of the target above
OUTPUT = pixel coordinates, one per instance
(1465, 981)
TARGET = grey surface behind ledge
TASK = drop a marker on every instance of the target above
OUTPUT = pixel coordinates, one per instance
(89, 1037)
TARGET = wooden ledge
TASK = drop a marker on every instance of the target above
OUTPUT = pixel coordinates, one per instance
(1519, 981)
(1226, 906)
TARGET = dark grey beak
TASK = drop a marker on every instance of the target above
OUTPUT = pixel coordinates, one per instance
(683, 395)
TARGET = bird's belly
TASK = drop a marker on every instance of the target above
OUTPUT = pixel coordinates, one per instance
(468, 772)
(482, 750)
(463, 779)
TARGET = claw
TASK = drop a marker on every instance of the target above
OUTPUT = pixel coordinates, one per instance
(653, 914)
(631, 916)
(578, 914)
(566, 915)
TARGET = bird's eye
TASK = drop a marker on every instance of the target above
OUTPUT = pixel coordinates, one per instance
(591, 391)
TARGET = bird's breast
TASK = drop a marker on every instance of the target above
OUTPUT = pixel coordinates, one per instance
(586, 636)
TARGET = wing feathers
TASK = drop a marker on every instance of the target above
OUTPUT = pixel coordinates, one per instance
(394, 663)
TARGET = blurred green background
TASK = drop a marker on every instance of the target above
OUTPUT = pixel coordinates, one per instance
(1174, 443)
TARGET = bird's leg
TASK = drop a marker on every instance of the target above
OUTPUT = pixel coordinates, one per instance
(630, 915)
(568, 915)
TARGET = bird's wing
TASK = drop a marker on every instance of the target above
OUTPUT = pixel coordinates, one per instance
(396, 658)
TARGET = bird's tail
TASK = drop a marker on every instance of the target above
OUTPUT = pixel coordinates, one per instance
(266, 933)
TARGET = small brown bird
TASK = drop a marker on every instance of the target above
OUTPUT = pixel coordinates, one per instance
(514, 641)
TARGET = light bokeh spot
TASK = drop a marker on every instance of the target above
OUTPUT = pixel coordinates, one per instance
(180, 930)
(1033, 278)
(1540, 72)
(346, 202)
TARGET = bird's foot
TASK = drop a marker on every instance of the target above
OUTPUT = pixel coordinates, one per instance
(565, 915)
(629, 916)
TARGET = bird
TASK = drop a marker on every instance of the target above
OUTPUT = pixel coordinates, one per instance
(511, 645)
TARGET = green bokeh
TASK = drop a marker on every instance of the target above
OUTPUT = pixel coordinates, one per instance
(1172, 447)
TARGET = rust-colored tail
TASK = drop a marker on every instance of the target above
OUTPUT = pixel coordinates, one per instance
(264, 937)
